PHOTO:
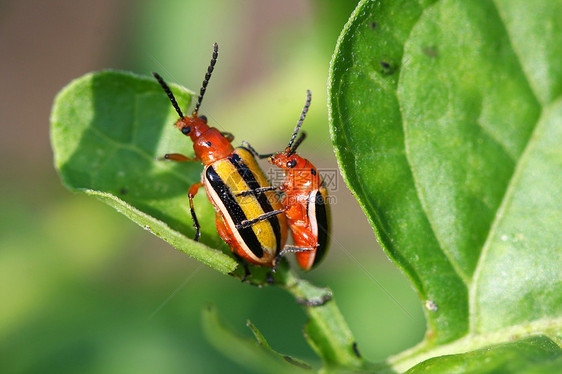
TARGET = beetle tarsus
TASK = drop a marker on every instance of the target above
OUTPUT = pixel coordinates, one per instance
(249, 222)
(192, 192)
(257, 191)
(289, 249)
(247, 145)
(196, 225)
(269, 278)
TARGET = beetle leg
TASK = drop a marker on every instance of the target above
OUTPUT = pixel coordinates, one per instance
(228, 136)
(226, 234)
(263, 217)
(269, 278)
(245, 144)
(289, 249)
(178, 157)
(192, 192)
(257, 191)
(222, 230)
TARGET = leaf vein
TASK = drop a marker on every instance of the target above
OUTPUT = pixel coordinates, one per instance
(505, 200)
(417, 187)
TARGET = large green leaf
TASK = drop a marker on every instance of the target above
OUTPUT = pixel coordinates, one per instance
(109, 131)
(447, 122)
(534, 354)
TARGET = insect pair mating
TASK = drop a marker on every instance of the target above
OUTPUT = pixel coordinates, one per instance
(250, 217)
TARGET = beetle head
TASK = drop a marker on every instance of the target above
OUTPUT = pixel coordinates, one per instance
(192, 126)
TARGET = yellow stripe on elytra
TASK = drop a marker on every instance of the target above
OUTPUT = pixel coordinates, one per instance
(272, 196)
(249, 204)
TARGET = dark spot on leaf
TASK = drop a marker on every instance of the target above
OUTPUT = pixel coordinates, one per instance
(123, 191)
(373, 25)
(388, 69)
(430, 51)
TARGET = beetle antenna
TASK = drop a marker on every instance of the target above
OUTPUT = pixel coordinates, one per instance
(169, 93)
(299, 123)
(207, 77)
(297, 143)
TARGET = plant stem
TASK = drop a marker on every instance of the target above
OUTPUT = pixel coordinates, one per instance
(326, 331)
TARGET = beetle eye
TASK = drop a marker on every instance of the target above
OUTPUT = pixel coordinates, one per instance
(203, 118)
(291, 164)
(186, 130)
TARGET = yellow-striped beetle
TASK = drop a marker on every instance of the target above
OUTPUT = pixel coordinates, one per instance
(253, 226)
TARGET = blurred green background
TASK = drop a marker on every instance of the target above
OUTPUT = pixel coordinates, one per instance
(81, 287)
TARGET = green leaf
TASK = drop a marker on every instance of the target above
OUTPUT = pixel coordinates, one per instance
(446, 117)
(249, 353)
(536, 354)
(108, 131)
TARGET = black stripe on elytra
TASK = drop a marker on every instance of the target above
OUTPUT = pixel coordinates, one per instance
(234, 210)
(322, 224)
(249, 178)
